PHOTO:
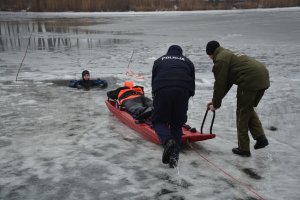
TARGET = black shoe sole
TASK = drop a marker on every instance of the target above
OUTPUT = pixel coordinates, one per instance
(166, 157)
(166, 154)
(173, 159)
(261, 146)
(239, 153)
(173, 163)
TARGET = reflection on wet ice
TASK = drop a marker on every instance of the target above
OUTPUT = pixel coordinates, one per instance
(51, 36)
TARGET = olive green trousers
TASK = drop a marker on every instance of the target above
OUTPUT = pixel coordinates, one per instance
(247, 118)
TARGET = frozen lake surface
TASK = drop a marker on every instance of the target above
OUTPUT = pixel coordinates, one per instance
(61, 143)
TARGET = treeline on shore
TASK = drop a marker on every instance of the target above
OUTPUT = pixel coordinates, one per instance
(138, 5)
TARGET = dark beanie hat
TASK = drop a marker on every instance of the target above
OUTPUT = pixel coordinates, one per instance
(211, 47)
(85, 72)
(175, 48)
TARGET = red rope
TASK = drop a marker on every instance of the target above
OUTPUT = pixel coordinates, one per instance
(229, 175)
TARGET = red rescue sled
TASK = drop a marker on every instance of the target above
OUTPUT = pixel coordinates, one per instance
(148, 132)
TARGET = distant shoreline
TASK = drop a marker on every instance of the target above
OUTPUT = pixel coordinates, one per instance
(139, 6)
(95, 14)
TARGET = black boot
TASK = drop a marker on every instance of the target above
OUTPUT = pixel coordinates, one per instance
(169, 148)
(241, 152)
(261, 142)
(173, 160)
(145, 114)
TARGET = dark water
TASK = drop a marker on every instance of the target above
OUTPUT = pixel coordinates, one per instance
(62, 143)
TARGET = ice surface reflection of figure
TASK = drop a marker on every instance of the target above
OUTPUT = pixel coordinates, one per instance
(86, 83)
(252, 79)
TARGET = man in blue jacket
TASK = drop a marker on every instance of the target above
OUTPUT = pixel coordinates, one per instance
(173, 83)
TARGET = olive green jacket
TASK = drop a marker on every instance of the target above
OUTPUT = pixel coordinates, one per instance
(242, 70)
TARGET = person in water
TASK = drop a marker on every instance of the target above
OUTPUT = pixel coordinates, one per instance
(133, 100)
(86, 83)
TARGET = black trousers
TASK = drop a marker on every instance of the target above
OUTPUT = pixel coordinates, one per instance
(138, 105)
(170, 113)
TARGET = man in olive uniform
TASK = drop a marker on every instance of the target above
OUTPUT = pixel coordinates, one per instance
(252, 79)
